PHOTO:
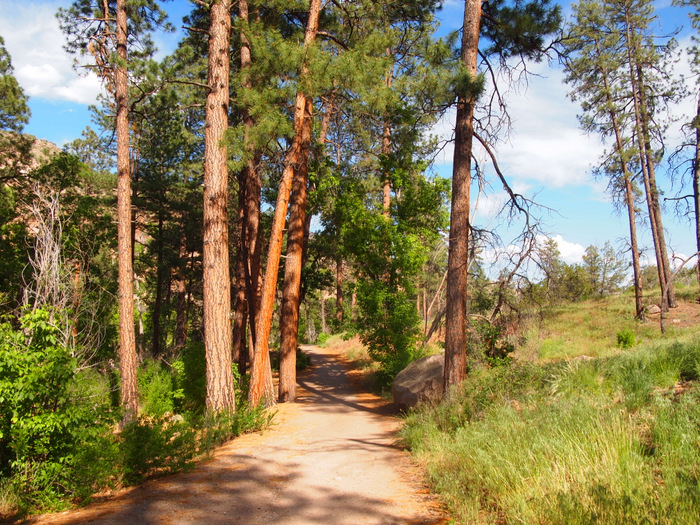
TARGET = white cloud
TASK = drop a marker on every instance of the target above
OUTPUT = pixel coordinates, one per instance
(546, 147)
(489, 205)
(35, 42)
(570, 252)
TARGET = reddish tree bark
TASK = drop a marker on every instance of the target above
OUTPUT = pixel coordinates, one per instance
(289, 313)
(215, 254)
(252, 186)
(240, 304)
(458, 256)
(261, 388)
(127, 336)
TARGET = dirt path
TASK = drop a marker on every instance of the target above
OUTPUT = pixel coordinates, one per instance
(330, 459)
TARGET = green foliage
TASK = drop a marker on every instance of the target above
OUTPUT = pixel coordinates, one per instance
(157, 445)
(388, 327)
(14, 111)
(606, 441)
(626, 338)
(519, 28)
(190, 378)
(468, 87)
(488, 342)
(303, 360)
(47, 430)
(601, 274)
(157, 393)
(224, 427)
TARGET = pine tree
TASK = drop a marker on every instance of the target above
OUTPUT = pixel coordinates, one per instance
(14, 111)
(261, 389)
(215, 255)
(104, 31)
(593, 70)
(509, 30)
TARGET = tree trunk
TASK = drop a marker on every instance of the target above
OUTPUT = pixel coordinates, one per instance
(647, 165)
(636, 266)
(261, 388)
(629, 201)
(696, 188)
(339, 289)
(181, 295)
(158, 303)
(289, 311)
(127, 337)
(251, 186)
(240, 308)
(324, 328)
(458, 256)
(670, 295)
(386, 150)
(215, 255)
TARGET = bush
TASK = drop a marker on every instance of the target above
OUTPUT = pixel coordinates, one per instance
(626, 338)
(190, 383)
(46, 430)
(489, 344)
(156, 445)
(157, 392)
(388, 327)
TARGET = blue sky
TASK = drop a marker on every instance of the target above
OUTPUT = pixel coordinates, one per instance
(545, 157)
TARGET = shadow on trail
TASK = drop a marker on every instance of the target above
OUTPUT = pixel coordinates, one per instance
(303, 477)
(238, 494)
(328, 384)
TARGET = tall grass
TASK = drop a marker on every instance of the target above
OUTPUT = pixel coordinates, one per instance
(614, 440)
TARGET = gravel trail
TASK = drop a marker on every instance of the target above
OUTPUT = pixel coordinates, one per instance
(330, 458)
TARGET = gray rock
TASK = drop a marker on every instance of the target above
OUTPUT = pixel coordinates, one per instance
(419, 381)
(653, 309)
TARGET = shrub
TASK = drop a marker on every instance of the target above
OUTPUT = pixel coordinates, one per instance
(156, 445)
(626, 338)
(191, 380)
(157, 392)
(388, 326)
(46, 430)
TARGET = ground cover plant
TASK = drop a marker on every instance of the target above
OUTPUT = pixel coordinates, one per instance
(614, 439)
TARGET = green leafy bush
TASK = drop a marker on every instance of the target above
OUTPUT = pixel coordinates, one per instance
(157, 393)
(190, 388)
(47, 430)
(156, 445)
(626, 338)
(388, 324)
(489, 343)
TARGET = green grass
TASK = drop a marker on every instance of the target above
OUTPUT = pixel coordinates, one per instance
(609, 440)
(591, 328)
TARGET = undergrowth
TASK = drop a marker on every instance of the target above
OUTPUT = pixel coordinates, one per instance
(610, 440)
(60, 441)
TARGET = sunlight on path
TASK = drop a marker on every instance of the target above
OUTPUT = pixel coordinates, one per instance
(330, 458)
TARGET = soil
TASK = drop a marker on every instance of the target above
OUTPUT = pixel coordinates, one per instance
(330, 458)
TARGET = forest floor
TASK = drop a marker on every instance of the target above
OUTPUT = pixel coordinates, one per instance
(330, 458)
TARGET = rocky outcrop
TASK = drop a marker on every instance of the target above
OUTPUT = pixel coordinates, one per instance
(420, 381)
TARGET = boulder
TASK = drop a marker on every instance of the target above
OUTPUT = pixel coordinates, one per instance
(419, 381)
